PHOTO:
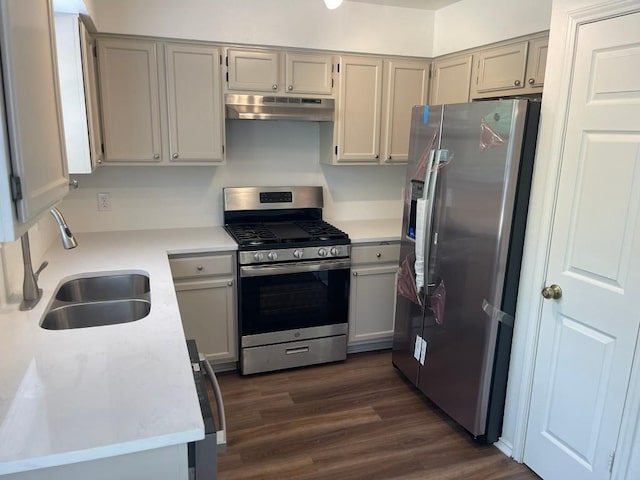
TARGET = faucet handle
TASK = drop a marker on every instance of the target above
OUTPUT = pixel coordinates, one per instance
(42, 266)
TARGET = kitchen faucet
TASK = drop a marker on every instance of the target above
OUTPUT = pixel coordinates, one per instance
(31, 294)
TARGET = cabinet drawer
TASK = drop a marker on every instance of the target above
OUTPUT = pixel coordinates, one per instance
(201, 266)
(375, 254)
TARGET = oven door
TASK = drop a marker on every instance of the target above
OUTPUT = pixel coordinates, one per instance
(290, 296)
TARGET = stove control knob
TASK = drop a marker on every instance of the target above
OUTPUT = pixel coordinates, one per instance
(334, 252)
(258, 256)
(297, 253)
(272, 256)
(322, 252)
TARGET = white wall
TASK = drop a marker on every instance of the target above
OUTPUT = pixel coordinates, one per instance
(354, 27)
(473, 23)
(259, 153)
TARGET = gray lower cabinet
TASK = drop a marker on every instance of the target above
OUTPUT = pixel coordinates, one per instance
(372, 295)
(205, 287)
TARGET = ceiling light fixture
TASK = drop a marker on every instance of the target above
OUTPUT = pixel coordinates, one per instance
(332, 4)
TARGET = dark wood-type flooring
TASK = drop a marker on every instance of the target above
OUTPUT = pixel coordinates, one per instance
(357, 419)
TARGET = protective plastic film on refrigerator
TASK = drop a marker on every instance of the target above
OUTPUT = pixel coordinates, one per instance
(466, 199)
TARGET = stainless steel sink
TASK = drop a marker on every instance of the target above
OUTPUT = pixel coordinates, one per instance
(94, 314)
(99, 300)
(109, 287)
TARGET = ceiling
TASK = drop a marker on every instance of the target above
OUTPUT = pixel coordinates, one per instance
(420, 4)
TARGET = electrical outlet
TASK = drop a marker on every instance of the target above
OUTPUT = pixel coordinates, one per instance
(104, 202)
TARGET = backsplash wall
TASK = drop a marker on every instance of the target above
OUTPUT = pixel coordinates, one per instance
(258, 153)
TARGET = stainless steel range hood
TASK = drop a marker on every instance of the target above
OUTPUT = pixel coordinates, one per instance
(259, 107)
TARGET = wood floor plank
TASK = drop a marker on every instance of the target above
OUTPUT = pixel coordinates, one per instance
(351, 420)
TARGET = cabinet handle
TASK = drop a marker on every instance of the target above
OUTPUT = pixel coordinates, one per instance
(175, 155)
(355, 274)
(389, 158)
(377, 157)
(199, 268)
(156, 156)
(290, 87)
(229, 283)
(517, 83)
(274, 86)
(100, 161)
(378, 255)
(532, 81)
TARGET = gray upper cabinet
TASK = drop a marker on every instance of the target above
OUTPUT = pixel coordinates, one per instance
(406, 84)
(253, 70)
(510, 69)
(194, 103)
(537, 63)
(451, 80)
(373, 112)
(308, 74)
(278, 72)
(130, 100)
(357, 126)
(501, 68)
(164, 109)
(34, 176)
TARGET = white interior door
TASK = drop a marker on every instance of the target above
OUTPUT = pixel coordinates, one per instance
(588, 337)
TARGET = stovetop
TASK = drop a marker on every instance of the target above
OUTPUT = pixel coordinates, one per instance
(286, 234)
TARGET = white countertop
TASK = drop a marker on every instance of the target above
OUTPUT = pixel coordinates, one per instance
(369, 231)
(73, 395)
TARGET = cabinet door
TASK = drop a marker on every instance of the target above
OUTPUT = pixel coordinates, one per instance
(537, 63)
(207, 308)
(308, 73)
(371, 303)
(359, 106)
(34, 142)
(406, 84)
(451, 80)
(501, 68)
(194, 103)
(252, 70)
(90, 77)
(130, 100)
(76, 68)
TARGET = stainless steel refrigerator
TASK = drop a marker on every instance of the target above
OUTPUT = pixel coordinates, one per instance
(465, 206)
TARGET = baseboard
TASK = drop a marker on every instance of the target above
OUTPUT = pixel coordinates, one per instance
(369, 347)
(224, 367)
(504, 447)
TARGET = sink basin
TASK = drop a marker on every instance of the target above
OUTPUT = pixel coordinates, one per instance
(109, 287)
(94, 314)
(99, 300)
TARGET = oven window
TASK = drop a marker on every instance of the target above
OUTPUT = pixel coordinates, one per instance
(295, 300)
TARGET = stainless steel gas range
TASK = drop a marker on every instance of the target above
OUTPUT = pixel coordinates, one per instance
(293, 271)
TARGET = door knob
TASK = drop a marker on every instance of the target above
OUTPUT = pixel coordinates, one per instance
(552, 292)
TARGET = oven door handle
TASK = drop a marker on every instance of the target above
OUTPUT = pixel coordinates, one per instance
(298, 267)
(221, 433)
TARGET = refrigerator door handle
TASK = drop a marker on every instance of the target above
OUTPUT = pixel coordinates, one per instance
(422, 226)
(430, 193)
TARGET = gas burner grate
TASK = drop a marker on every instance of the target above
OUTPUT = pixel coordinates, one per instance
(251, 234)
(322, 230)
